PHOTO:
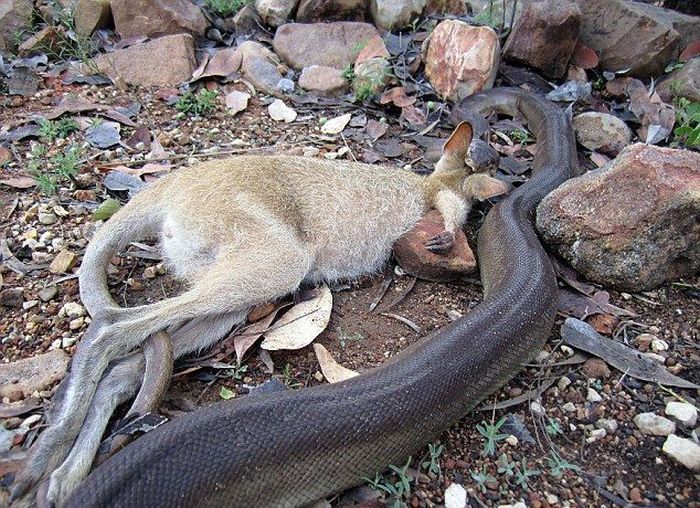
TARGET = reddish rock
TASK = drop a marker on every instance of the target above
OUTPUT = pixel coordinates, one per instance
(545, 35)
(375, 48)
(329, 44)
(683, 82)
(91, 15)
(461, 59)
(22, 378)
(596, 368)
(600, 132)
(322, 79)
(631, 225)
(15, 15)
(454, 7)
(142, 64)
(632, 35)
(311, 11)
(412, 255)
(135, 18)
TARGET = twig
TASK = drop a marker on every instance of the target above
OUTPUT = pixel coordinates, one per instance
(404, 320)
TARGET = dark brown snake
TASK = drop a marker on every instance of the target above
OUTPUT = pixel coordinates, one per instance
(293, 448)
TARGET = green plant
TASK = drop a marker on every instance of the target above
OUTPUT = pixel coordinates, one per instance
(432, 464)
(523, 473)
(676, 85)
(553, 428)
(288, 378)
(226, 393)
(197, 104)
(488, 18)
(521, 136)
(482, 478)
(236, 372)
(66, 41)
(226, 8)
(490, 432)
(505, 466)
(65, 164)
(397, 487)
(558, 465)
(688, 121)
(50, 172)
(344, 337)
(52, 130)
(348, 72)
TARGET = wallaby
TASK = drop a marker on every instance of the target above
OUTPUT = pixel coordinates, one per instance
(241, 231)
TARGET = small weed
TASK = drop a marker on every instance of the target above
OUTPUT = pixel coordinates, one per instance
(558, 466)
(199, 104)
(66, 163)
(344, 338)
(553, 428)
(225, 8)
(397, 487)
(348, 72)
(67, 43)
(673, 66)
(521, 136)
(505, 466)
(226, 394)
(53, 130)
(482, 478)
(236, 372)
(51, 172)
(490, 432)
(432, 464)
(676, 85)
(688, 121)
(364, 92)
(523, 473)
(288, 378)
(488, 18)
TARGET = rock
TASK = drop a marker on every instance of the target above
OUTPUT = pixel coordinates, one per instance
(454, 7)
(275, 12)
(395, 14)
(325, 80)
(15, 16)
(537, 409)
(608, 24)
(683, 82)
(12, 297)
(20, 379)
(89, 15)
(563, 383)
(312, 11)
(72, 310)
(237, 101)
(155, 18)
(142, 64)
(412, 256)
(461, 59)
(262, 73)
(600, 132)
(569, 407)
(512, 440)
(41, 40)
(63, 262)
(631, 225)
(280, 112)
(455, 496)
(374, 48)
(545, 36)
(246, 20)
(47, 218)
(48, 293)
(371, 76)
(658, 345)
(596, 435)
(593, 396)
(654, 425)
(684, 451)
(330, 44)
(683, 413)
(595, 368)
(608, 424)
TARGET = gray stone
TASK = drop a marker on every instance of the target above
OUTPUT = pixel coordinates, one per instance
(684, 451)
(20, 379)
(601, 132)
(683, 413)
(654, 425)
(15, 15)
(155, 18)
(395, 14)
(330, 44)
(608, 424)
(319, 78)
(48, 293)
(312, 11)
(631, 225)
(12, 297)
(275, 12)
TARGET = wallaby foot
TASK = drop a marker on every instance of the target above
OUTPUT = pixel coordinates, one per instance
(441, 244)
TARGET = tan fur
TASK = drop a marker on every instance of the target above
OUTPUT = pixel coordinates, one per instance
(241, 231)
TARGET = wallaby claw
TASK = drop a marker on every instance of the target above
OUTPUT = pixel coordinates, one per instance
(441, 244)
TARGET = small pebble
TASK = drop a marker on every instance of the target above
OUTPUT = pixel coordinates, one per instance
(72, 310)
(682, 412)
(684, 451)
(608, 424)
(654, 425)
(563, 383)
(593, 396)
(569, 407)
(512, 440)
(659, 345)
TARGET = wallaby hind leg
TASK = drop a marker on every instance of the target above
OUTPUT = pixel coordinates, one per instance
(266, 267)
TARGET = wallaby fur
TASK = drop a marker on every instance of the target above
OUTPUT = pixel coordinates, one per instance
(241, 231)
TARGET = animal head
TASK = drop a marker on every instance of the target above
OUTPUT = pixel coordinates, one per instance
(455, 150)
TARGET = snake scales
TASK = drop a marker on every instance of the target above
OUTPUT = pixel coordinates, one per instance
(292, 448)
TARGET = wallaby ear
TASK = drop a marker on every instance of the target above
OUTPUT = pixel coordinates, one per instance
(458, 143)
(482, 187)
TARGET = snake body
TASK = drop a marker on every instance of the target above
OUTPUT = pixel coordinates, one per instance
(292, 448)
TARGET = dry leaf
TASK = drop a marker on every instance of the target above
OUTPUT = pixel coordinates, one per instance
(301, 324)
(414, 115)
(657, 117)
(375, 129)
(332, 370)
(336, 125)
(250, 335)
(397, 95)
(20, 182)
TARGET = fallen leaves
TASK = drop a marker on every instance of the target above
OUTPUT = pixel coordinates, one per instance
(301, 324)
(331, 369)
(19, 182)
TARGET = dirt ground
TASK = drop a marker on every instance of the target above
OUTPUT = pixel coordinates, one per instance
(623, 468)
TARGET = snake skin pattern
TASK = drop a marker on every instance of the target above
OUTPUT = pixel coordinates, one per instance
(293, 448)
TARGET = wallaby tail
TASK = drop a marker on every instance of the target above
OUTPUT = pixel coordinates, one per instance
(135, 221)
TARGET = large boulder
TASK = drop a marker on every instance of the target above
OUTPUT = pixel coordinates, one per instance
(134, 18)
(635, 36)
(22, 378)
(89, 15)
(460, 59)
(395, 14)
(683, 82)
(275, 12)
(631, 225)
(312, 11)
(328, 44)
(15, 15)
(142, 64)
(545, 36)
